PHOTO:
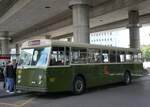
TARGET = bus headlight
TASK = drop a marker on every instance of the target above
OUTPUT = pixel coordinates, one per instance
(19, 76)
(40, 82)
(19, 81)
(40, 77)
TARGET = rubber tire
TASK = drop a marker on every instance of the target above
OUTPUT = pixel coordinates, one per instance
(81, 82)
(127, 78)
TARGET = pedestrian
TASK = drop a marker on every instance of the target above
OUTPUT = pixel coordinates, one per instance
(14, 63)
(10, 75)
(4, 74)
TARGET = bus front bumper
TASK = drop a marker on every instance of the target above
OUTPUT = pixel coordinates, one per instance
(33, 89)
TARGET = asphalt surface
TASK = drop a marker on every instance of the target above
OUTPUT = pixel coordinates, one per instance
(115, 95)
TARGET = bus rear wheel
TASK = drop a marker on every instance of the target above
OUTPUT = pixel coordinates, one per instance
(127, 78)
(78, 85)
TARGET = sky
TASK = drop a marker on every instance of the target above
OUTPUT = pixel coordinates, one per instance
(123, 36)
(145, 35)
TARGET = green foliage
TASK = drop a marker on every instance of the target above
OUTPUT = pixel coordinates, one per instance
(146, 51)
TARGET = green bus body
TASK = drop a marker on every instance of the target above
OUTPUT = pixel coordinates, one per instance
(57, 79)
(60, 78)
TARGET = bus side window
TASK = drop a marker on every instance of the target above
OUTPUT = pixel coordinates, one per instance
(105, 56)
(79, 55)
(57, 56)
(135, 57)
(112, 56)
(140, 57)
(67, 58)
(94, 56)
(122, 57)
(118, 58)
(129, 57)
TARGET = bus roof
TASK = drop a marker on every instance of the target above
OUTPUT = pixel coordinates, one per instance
(46, 42)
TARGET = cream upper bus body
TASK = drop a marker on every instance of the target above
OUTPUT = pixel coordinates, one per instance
(37, 43)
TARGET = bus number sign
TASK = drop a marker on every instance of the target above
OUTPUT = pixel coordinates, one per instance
(35, 42)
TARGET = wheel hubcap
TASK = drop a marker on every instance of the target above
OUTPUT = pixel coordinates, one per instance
(127, 78)
(79, 86)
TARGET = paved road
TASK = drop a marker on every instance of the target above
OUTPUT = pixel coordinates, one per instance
(117, 95)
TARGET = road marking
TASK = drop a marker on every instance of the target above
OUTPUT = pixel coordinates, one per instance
(26, 102)
(17, 105)
(7, 104)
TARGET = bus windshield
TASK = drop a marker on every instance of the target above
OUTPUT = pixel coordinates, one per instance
(34, 57)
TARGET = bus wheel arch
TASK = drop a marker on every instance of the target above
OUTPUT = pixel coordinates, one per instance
(127, 78)
(79, 84)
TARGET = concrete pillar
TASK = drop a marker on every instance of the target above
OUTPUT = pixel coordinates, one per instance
(4, 39)
(134, 29)
(80, 10)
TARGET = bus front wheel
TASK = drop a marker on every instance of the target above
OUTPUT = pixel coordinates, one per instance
(127, 78)
(78, 85)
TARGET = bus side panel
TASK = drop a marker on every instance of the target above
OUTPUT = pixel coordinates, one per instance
(117, 71)
(114, 72)
(59, 79)
(136, 70)
(93, 74)
(102, 74)
(99, 74)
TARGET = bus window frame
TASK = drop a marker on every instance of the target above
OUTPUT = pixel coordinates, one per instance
(105, 51)
(79, 55)
(34, 66)
(124, 54)
(94, 51)
(112, 52)
(49, 63)
(131, 56)
(102, 51)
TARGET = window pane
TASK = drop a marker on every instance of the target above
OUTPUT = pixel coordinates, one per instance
(57, 56)
(94, 56)
(40, 56)
(26, 57)
(112, 56)
(129, 57)
(105, 56)
(79, 55)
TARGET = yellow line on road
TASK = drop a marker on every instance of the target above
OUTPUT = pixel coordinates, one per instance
(26, 102)
(7, 104)
(17, 105)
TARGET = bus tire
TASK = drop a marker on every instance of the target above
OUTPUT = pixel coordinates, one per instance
(127, 79)
(78, 85)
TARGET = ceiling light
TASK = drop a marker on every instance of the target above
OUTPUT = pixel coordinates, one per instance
(47, 7)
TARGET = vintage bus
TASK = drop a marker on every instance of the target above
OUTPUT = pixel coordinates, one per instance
(54, 66)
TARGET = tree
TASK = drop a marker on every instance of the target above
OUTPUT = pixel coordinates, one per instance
(146, 51)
